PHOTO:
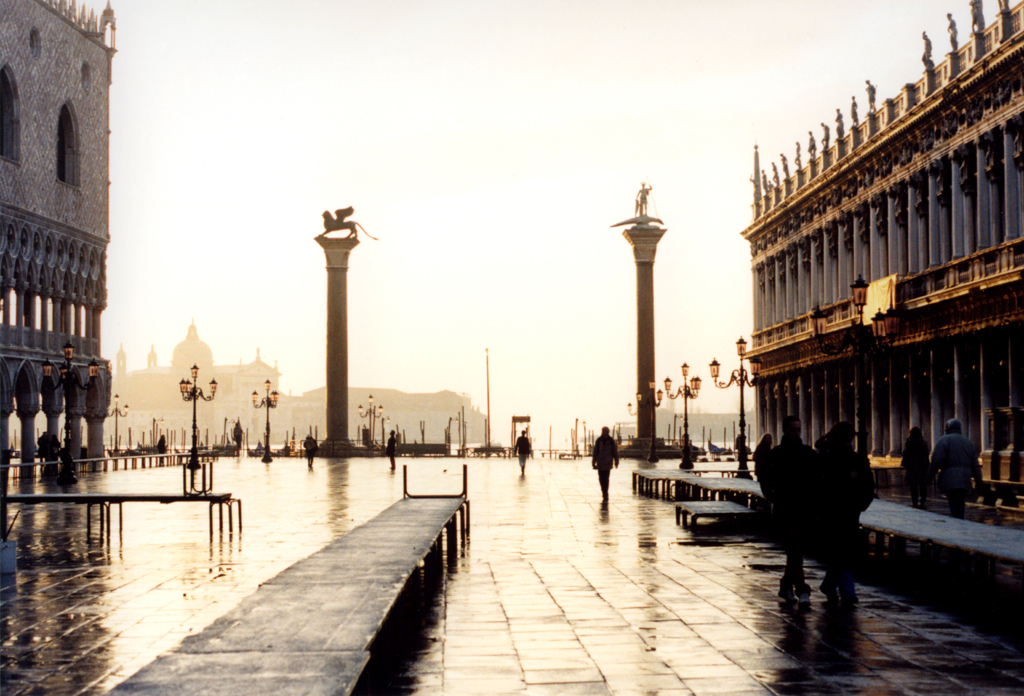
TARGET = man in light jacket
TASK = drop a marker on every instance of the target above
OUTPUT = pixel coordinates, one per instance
(957, 459)
(605, 453)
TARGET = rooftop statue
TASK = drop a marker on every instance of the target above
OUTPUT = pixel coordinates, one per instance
(785, 166)
(927, 57)
(977, 17)
(871, 96)
(953, 43)
(1004, 6)
(338, 223)
(840, 129)
(799, 166)
(764, 182)
(775, 175)
(824, 138)
(853, 112)
(812, 148)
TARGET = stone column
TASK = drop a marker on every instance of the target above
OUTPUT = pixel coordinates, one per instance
(817, 263)
(644, 238)
(962, 210)
(1015, 365)
(876, 250)
(934, 215)
(937, 417)
(780, 288)
(914, 364)
(1011, 184)
(878, 447)
(896, 399)
(960, 372)
(894, 235)
(982, 226)
(27, 416)
(826, 268)
(914, 231)
(817, 411)
(804, 406)
(94, 435)
(829, 392)
(75, 416)
(337, 251)
(858, 252)
(5, 417)
(988, 367)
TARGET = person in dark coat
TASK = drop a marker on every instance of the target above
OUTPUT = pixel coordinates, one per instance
(523, 449)
(957, 459)
(390, 449)
(311, 447)
(848, 487)
(604, 454)
(915, 462)
(791, 483)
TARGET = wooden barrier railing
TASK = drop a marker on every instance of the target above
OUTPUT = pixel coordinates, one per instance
(97, 464)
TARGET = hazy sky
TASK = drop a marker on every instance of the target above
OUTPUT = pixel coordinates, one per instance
(489, 146)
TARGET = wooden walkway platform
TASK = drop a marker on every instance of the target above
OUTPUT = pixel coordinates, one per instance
(106, 500)
(312, 628)
(892, 524)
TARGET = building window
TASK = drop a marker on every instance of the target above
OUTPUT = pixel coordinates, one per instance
(8, 115)
(35, 43)
(67, 151)
(86, 77)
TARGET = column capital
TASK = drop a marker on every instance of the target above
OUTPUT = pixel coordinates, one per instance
(644, 240)
(337, 250)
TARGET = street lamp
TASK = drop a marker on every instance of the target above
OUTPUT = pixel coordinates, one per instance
(654, 400)
(116, 413)
(190, 391)
(743, 379)
(371, 414)
(268, 402)
(864, 342)
(687, 392)
(69, 379)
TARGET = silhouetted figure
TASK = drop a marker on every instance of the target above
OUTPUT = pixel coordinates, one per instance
(236, 434)
(955, 460)
(791, 482)
(760, 456)
(309, 444)
(604, 455)
(161, 445)
(915, 463)
(390, 449)
(848, 488)
(523, 449)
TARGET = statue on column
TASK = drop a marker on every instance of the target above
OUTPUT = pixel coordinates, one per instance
(977, 16)
(338, 222)
(927, 57)
(853, 112)
(799, 166)
(641, 199)
(953, 43)
(871, 96)
(812, 148)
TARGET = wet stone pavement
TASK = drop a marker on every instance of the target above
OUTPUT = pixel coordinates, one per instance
(557, 593)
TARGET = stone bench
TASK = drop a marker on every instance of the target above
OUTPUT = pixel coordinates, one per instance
(695, 509)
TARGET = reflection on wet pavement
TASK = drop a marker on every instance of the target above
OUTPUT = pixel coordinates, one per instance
(558, 593)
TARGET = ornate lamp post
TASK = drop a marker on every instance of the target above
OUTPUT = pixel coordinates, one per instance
(68, 380)
(191, 392)
(371, 414)
(687, 392)
(116, 413)
(268, 402)
(743, 379)
(654, 400)
(864, 342)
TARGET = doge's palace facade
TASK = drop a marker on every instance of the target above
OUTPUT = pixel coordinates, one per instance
(55, 60)
(923, 197)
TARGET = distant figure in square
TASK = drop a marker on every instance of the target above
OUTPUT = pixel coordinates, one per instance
(955, 460)
(523, 449)
(161, 445)
(848, 487)
(915, 462)
(605, 453)
(390, 449)
(791, 482)
(309, 444)
(236, 435)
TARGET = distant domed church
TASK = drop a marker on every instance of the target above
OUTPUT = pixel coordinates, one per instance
(156, 407)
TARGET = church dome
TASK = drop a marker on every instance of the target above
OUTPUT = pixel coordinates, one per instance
(192, 351)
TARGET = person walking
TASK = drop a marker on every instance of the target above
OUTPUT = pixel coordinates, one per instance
(955, 460)
(790, 481)
(390, 449)
(311, 447)
(604, 454)
(523, 449)
(915, 462)
(848, 487)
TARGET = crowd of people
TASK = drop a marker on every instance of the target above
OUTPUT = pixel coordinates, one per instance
(818, 493)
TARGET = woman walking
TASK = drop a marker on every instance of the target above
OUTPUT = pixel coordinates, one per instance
(915, 462)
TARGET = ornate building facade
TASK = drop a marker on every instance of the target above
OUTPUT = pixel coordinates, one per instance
(55, 62)
(924, 199)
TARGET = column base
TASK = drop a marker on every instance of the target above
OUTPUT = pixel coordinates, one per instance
(339, 448)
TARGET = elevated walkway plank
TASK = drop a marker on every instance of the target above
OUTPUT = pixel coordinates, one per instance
(309, 629)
